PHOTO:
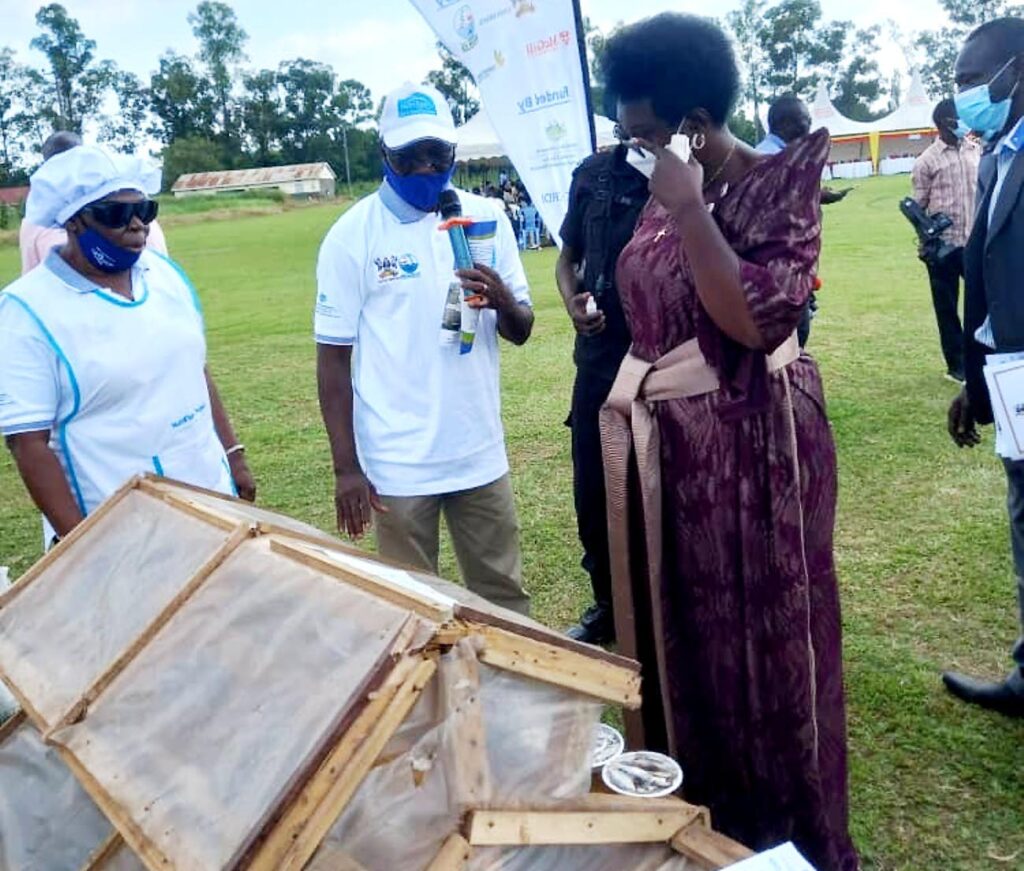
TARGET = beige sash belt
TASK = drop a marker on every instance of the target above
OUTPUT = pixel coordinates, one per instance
(628, 425)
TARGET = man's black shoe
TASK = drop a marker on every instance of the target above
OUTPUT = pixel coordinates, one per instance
(1006, 697)
(596, 626)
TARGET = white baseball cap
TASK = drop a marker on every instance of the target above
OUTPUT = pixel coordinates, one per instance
(415, 112)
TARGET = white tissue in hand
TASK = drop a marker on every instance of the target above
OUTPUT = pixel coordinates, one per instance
(591, 306)
(680, 146)
(642, 161)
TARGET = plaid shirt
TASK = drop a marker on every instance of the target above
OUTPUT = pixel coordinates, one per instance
(946, 180)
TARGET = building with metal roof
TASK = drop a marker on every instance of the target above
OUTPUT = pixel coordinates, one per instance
(300, 180)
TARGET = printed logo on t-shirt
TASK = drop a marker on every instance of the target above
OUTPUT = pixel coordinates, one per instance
(394, 267)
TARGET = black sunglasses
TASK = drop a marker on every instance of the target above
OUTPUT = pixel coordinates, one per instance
(440, 156)
(116, 215)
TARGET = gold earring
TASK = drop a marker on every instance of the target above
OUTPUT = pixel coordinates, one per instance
(698, 141)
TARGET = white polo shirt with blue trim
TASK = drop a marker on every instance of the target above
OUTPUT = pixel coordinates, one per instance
(427, 419)
(119, 384)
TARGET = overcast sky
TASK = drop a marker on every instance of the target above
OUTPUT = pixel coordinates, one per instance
(379, 42)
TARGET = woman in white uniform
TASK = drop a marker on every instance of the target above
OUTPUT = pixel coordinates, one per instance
(103, 362)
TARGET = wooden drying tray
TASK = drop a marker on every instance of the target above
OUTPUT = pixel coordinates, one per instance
(293, 832)
(510, 642)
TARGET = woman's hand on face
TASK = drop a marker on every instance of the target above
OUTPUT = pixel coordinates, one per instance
(677, 184)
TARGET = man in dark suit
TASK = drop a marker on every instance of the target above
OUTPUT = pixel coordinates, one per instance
(990, 100)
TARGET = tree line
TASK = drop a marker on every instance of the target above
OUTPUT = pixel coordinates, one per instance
(206, 111)
(209, 111)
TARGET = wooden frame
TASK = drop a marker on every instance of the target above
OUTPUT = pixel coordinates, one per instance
(78, 709)
(559, 666)
(378, 587)
(711, 849)
(487, 828)
(306, 823)
(322, 786)
(62, 546)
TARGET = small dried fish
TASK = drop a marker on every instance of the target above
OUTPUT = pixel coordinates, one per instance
(643, 773)
(607, 745)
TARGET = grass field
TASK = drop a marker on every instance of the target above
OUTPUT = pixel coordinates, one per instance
(923, 557)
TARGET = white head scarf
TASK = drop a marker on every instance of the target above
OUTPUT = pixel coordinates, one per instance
(68, 181)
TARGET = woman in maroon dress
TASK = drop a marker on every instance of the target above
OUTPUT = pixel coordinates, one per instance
(721, 465)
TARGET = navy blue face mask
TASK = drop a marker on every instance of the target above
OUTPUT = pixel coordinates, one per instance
(104, 254)
(419, 191)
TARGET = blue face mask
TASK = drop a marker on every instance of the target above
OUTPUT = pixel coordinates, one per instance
(978, 111)
(419, 191)
(104, 254)
(961, 130)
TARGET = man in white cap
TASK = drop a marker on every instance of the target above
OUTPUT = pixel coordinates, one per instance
(36, 242)
(415, 425)
(103, 370)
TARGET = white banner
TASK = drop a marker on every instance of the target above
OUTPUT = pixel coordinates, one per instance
(524, 56)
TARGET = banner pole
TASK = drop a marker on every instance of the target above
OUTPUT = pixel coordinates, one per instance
(581, 40)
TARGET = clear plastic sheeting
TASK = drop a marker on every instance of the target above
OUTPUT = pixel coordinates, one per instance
(123, 860)
(206, 730)
(618, 857)
(406, 808)
(47, 821)
(62, 631)
(477, 737)
(539, 739)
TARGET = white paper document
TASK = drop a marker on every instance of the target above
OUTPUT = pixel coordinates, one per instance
(784, 858)
(1004, 377)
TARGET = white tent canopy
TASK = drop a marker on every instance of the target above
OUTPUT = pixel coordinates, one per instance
(886, 146)
(914, 114)
(479, 141)
(825, 114)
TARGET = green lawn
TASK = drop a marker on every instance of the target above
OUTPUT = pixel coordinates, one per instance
(923, 557)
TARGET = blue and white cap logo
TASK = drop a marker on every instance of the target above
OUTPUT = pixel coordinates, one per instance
(415, 112)
(416, 104)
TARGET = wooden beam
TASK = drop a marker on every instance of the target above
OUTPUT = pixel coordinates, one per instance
(602, 802)
(61, 548)
(379, 587)
(305, 824)
(710, 849)
(489, 828)
(453, 856)
(11, 725)
(79, 708)
(27, 708)
(146, 850)
(525, 626)
(470, 777)
(559, 666)
(187, 506)
(104, 853)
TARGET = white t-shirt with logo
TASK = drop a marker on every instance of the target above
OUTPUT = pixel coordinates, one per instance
(427, 418)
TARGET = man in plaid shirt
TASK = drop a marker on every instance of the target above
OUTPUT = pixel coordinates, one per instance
(945, 180)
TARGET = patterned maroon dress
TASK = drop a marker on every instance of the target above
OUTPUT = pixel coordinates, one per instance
(749, 596)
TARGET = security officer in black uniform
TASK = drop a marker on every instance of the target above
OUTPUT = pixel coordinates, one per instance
(605, 201)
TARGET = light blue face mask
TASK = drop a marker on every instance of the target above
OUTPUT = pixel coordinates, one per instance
(961, 130)
(978, 111)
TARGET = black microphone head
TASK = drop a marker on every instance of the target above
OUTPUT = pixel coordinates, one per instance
(448, 204)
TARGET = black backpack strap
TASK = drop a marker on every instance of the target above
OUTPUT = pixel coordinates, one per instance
(604, 196)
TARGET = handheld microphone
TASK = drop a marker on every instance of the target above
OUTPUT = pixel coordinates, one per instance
(453, 222)
(455, 225)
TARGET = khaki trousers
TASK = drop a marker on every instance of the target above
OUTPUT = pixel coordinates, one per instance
(485, 534)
